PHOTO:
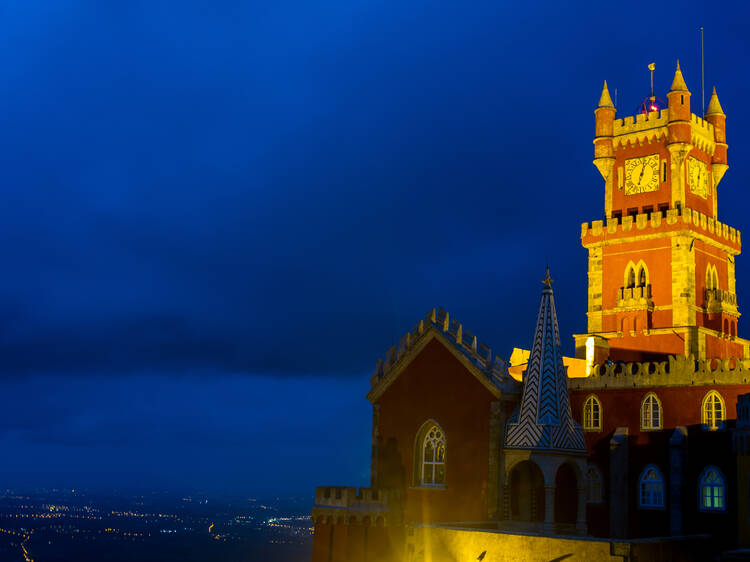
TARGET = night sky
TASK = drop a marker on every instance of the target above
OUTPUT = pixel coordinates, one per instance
(217, 216)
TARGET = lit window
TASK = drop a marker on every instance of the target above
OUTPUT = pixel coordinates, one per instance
(651, 412)
(593, 485)
(712, 490)
(713, 412)
(433, 457)
(592, 414)
(651, 488)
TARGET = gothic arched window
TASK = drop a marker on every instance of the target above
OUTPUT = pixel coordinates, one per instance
(592, 414)
(651, 412)
(712, 490)
(631, 278)
(432, 447)
(651, 488)
(642, 277)
(713, 412)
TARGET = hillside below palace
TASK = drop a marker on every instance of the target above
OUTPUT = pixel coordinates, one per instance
(636, 449)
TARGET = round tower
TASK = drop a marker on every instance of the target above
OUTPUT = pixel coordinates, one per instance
(604, 154)
(678, 102)
(715, 116)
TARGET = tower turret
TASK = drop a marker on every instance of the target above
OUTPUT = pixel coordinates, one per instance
(604, 157)
(679, 134)
(715, 116)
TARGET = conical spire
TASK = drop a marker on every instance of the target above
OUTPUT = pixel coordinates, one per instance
(714, 107)
(678, 84)
(544, 419)
(605, 100)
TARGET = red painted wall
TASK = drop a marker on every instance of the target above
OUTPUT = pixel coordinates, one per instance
(622, 407)
(437, 386)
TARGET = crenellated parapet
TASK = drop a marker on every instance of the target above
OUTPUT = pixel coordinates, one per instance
(479, 354)
(659, 222)
(678, 370)
(347, 504)
(702, 134)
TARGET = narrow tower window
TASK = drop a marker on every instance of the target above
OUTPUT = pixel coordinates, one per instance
(663, 171)
(631, 278)
(642, 278)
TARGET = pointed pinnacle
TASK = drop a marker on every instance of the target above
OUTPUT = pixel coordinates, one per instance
(678, 84)
(605, 100)
(714, 107)
(547, 280)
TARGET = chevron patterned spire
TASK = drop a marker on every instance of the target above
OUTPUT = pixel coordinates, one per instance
(544, 419)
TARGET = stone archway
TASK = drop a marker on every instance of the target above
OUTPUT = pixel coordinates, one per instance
(526, 483)
(566, 496)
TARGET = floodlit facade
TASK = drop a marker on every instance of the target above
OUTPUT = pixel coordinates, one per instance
(631, 450)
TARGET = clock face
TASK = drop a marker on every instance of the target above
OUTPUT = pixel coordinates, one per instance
(698, 177)
(642, 174)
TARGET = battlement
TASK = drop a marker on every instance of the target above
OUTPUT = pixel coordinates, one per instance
(676, 371)
(656, 220)
(641, 122)
(702, 134)
(478, 353)
(343, 503)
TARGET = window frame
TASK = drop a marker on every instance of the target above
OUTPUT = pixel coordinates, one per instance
(420, 441)
(704, 418)
(642, 481)
(594, 400)
(651, 427)
(701, 485)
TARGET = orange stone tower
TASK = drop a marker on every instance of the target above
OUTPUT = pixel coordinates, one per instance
(661, 265)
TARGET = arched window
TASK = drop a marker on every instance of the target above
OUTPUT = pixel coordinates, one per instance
(651, 412)
(631, 278)
(593, 485)
(432, 456)
(642, 277)
(713, 411)
(592, 414)
(712, 490)
(651, 488)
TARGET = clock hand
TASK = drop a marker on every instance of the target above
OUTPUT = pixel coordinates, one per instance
(643, 169)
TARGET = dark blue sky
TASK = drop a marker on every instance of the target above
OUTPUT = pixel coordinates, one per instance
(218, 215)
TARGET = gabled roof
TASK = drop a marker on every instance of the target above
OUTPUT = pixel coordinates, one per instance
(544, 420)
(478, 358)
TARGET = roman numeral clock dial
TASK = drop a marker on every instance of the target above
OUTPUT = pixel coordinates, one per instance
(642, 174)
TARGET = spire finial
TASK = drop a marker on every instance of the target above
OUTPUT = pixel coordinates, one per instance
(605, 100)
(714, 107)
(678, 84)
(547, 279)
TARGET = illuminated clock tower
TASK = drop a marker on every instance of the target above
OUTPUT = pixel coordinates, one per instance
(661, 265)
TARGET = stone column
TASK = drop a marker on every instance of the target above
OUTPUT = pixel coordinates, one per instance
(581, 513)
(677, 445)
(618, 484)
(549, 508)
